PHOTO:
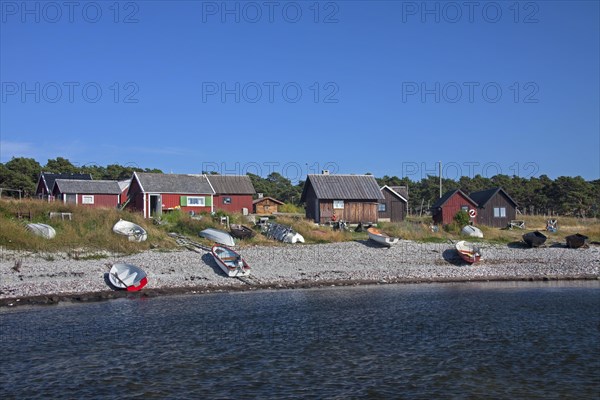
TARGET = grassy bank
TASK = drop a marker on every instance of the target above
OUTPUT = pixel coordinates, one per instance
(89, 233)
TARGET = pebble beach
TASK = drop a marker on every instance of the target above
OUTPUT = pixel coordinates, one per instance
(33, 278)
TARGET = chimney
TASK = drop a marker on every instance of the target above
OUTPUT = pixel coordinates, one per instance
(325, 172)
(260, 195)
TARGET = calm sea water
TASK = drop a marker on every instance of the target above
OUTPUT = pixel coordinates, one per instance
(508, 340)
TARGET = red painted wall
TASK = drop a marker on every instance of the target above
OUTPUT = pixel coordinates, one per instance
(238, 201)
(170, 201)
(451, 207)
(100, 201)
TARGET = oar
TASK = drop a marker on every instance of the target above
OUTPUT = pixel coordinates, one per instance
(119, 279)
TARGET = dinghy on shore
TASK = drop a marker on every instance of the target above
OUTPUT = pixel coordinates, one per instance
(217, 236)
(381, 238)
(469, 252)
(576, 241)
(241, 231)
(230, 261)
(134, 232)
(127, 276)
(43, 230)
(472, 231)
(283, 233)
(534, 239)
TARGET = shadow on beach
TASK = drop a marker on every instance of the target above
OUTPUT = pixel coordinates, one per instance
(210, 261)
(451, 256)
(371, 244)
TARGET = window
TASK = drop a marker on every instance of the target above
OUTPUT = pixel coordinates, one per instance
(87, 199)
(499, 212)
(381, 207)
(195, 201)
(338, 204)
(226, 200)
(464, 208)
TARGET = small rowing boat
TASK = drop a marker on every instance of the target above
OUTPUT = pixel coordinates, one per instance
(534, 239)
(381, 238)
(576, 241)
(217, 236)
(43, 230)
(134, 232)
(469, 252)
(472, 231)
(230, 261)
(127, 276)
(241, 231)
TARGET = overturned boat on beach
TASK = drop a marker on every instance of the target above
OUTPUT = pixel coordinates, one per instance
(283, 233)
(217, 236)
(134, 232)
(534, 239)
(43, 230)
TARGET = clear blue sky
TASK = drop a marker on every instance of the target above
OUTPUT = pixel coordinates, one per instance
(385, 87)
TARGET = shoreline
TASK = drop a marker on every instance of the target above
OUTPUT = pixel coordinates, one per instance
(92, 297)
(46, 279)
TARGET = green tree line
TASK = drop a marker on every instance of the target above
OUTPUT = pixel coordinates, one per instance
(570, 196)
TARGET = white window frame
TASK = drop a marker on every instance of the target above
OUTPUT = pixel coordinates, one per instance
(227, 200)
(338, 204)
(87, 199)
(499, 212)
(201, 201)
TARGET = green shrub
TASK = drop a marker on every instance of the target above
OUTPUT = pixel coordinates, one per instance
(462, 218)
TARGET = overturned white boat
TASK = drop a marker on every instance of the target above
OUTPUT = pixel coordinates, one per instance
(283, 233)
(43, 230)
(134, 232)
(472, 231)
(217, 236)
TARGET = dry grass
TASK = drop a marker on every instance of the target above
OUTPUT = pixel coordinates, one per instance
(90, 229)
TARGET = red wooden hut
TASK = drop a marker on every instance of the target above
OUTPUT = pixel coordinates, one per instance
(87, 193)
(233, 193)
(444, 210)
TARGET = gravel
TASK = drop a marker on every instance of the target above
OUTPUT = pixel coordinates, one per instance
(48, 278)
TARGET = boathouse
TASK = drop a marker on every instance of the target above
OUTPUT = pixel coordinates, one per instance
(395, 204)
(494, 207)
(46, 180)
(153, 193)
(233, 193)
(89, 193)
(446, 207)
(266, 205)
(351, 198)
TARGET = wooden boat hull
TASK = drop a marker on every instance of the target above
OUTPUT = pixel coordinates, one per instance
(230, 261)
(43, 230)
(241, 231)
(381, 238)
(472, 231)
(134, 232)
(469, 252)
(576, 241)
(217, 236)
(534, 239)
(128, 277)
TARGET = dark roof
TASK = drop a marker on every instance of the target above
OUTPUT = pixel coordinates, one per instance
(343, 187)
(398, 191)
(231, 184)
(87, 186)
(173, 183)
(483, 196)
(265, 198)
(442, 200)
(49, 178)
